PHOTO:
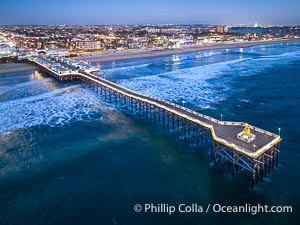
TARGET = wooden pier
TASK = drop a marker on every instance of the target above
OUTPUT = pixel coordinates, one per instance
(259, 156)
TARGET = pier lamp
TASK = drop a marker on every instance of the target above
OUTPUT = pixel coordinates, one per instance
(279, 129)
(183, 103)
(254, 146)
(221, 117)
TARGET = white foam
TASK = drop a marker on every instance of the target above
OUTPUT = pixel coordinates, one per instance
(245, 100)
(190, 85)
(54, 108)
(211, 53)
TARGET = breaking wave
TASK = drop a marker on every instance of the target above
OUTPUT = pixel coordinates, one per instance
(53, 108)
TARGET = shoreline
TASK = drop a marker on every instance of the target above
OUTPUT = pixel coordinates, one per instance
(9, 68)
(152, 53)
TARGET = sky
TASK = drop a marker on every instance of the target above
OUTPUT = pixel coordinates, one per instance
(55, 12)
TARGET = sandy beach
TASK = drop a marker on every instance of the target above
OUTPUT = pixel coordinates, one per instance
(7, 68)
(147, 53)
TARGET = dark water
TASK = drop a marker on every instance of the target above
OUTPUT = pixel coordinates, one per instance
(68, 157)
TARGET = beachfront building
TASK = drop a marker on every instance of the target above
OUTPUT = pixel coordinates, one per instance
(222, 29)
(7, 48)
(88, 45)
(215, 39)
(7, 51)
(202, 40)
(180, 42)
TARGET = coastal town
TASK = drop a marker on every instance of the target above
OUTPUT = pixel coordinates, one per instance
(67, 40)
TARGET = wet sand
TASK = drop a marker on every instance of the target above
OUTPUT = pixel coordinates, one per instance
(7, 68)
(148, 53)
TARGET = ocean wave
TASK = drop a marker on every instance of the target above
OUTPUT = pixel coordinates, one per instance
(127, 71)
(20, 91)
(6, 88)
(191, 85)
(54, 108)
(211, 53)
(287, 55)
(122, 68)
(256, 65)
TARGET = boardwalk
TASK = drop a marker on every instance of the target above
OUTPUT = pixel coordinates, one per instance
(258, 156)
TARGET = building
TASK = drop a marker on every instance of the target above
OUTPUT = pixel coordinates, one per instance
(88, 45)
(7, 51)
(222, 29)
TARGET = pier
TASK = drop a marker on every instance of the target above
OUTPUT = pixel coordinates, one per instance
(242, 145)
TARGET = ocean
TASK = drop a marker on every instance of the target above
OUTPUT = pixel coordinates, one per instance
(69, 157)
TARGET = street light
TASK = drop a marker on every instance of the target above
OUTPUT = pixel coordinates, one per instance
(183, 103)
(221, 117)
(254, 146)
(279, 129)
